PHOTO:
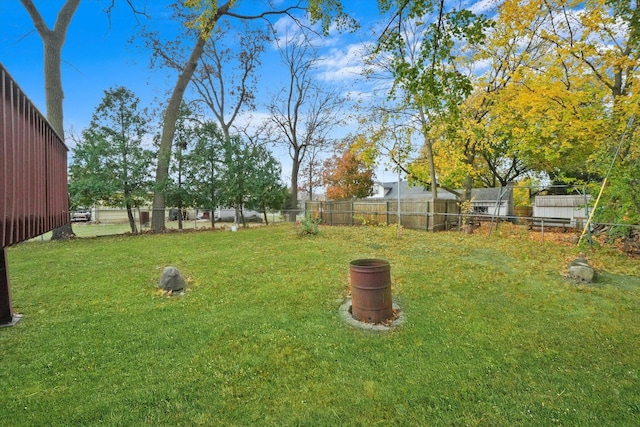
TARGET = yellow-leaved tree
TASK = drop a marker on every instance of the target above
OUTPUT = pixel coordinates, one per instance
(572, 113)
(553, 96)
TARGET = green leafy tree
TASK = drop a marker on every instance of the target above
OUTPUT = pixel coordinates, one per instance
(204, 167)
(177, 189)
(110, 163)
(267, 190)
(272, 198)
(53, 40)
(88, 180)
(250, 173)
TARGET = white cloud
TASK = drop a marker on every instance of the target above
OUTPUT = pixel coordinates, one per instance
(487, 7)
(344, 64)
(286, 32)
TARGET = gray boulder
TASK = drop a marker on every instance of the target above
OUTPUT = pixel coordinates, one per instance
(579, 269)
(172, 280)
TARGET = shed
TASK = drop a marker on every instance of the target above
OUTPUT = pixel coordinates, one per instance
(573, 207)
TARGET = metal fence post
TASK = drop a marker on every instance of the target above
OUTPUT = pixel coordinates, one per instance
(353, 212)
(330, 213)
(428, 206)
(387, 210)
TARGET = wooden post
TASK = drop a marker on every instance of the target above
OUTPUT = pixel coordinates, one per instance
(6, 313)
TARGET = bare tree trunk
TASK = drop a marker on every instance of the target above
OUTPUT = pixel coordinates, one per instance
(432, 168)
(303, 113)
(132, 220)
(168, 132)
(429, 146)
(468, 180)
(54, 102)
(293, 199)
(53, 40)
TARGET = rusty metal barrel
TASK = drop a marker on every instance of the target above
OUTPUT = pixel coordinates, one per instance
(371, 290)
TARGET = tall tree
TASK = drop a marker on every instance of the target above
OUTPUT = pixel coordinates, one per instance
(53, 40)
(603, 37)
(251, 173)
(206, 14)
(420, 50)
(267, 187)
(204, 168)
(530, 111)
(111, 159)
(302, 113)
(556, 97)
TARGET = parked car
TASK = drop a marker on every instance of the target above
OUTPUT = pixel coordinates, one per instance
(174, 213)
(81, 215)
(229, 215)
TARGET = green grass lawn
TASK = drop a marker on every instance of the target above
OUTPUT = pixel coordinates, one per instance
(494, 334)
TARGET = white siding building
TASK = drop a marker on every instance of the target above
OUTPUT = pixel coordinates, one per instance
(572, 207)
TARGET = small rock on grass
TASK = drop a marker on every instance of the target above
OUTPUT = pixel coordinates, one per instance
(172, 280)
(579, 269)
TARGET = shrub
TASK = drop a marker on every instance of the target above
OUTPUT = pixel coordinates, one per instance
(308, 226)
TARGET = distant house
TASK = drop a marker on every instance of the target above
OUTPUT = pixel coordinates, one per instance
(303, 196)
(496, 201)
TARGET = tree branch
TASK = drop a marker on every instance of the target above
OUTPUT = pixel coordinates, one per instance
(38, 22)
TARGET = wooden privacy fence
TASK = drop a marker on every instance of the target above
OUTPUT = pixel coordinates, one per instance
(33, 177)
(414, 214)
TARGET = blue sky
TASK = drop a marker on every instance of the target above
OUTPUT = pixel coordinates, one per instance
(98, 54)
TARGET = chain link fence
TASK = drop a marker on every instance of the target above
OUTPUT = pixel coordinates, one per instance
(113, 221)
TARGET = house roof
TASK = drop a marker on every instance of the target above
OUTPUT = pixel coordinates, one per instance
(561, 201)
(408, 192)
(491, 194)
(416, 192)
